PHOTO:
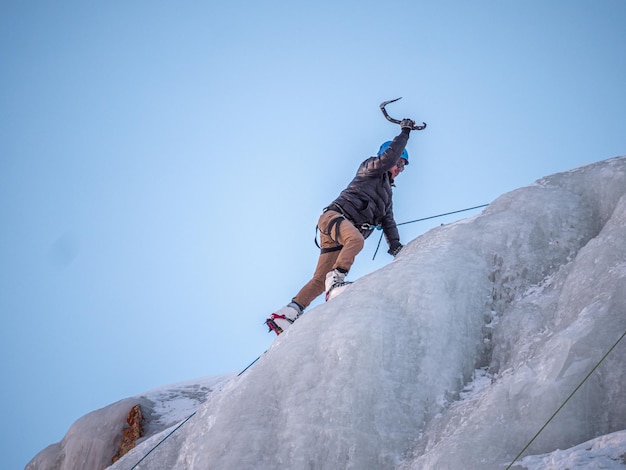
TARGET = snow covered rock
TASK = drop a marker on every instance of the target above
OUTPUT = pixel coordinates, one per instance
(603, 453)
(94, 440)
(90, 443)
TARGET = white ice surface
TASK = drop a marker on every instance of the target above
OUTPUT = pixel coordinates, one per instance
(451, 357)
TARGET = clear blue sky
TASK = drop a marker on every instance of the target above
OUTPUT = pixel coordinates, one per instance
(163, 165)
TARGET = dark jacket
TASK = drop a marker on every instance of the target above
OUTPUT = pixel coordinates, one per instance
(368, 197)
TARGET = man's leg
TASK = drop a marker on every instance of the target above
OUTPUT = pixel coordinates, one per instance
(340, 242)
(315, 286)
(284, 317)
(334, 234)
(325, 262)
(352, 240)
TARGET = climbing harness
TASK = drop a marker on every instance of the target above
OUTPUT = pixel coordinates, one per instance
(333, 224)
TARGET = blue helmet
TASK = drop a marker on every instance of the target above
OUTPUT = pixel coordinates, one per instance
(386, 145)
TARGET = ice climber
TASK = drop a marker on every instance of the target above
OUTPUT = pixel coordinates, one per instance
(347, 221)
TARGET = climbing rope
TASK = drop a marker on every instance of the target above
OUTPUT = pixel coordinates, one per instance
(427, 218)
(163, 440)
(185, 420)
(566, 400)
(529, 442)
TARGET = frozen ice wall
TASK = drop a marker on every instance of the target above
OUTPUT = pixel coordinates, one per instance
(89, 443)
(534, 287)
(557, 318)
(532, 292)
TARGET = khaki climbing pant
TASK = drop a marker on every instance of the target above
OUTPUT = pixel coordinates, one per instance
(340, 243)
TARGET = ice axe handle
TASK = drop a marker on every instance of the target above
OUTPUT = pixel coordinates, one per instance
(397, 121)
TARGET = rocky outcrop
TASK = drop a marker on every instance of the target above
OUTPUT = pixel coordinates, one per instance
(90, 443)
(132, 433)
(104, 436)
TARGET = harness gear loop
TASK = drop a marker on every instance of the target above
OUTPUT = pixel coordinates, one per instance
(334, 223)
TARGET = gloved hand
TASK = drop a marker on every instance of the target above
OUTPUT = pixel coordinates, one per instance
(407, 124)
(395, 249)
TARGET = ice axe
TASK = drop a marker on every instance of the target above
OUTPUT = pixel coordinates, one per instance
(397, 121)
